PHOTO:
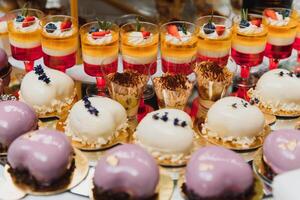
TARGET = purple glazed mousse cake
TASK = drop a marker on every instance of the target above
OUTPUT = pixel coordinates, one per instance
(42, 160)
(216, 173)
(281, 152)
(126, 172)
(16, 118)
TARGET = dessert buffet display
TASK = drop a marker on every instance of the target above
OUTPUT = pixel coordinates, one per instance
(137, 157)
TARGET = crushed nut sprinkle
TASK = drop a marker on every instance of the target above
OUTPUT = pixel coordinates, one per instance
(173, 82)
(128, 78)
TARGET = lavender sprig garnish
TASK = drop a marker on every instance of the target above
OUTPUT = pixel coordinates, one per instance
(38, 70)
(91, 109)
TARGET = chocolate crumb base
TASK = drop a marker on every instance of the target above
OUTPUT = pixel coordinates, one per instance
(172, 82)
(24, 179)
(127, 78)
(212, 71)
(247, 195)
(100, 194)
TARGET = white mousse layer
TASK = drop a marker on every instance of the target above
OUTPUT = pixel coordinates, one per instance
(55, 52)
(178, 60)
(280, 41)
(140, 60)
(25, 44)
(248, 49)
(99, 60)
(214, 54)
(95, 130)
(137, 39)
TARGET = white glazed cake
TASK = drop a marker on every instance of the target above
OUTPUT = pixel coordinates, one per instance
(286, 186)
(167, 134)
(235, 120)
(47, 97)
(95, 121)
(277, 92)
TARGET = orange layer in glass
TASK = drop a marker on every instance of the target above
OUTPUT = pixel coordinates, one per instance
(287, 31)
(96, 50)
(21, 37)
(251, 40)
(184, 50)
(60, 43)
(140, 51)
(214, 45)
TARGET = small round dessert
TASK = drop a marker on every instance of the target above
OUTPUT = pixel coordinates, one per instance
(96, 123)
(16, 118)
(168, 135)
(281, 152)
(218, 173)
(236, 124)
(49, 92)
(277, 92)
(42, 160)
(126, 172)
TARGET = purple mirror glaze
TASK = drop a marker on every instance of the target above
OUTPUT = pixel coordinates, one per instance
(213, 170)
(16, 118)
(46, 154)
(281, 150)
(133, 171)
(3, 59)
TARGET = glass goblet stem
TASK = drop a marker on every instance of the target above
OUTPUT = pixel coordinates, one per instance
(28, 66)
(101, 84)
(273, 63)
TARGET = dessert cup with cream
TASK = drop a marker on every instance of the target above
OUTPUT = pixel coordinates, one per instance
(59, 41)
(25, 35)
(139, 46)
(100, 49)
(127, 88)
(214, 39)
(178, 46)
(282, 27)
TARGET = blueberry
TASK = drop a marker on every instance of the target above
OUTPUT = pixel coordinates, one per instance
(20, 18)
(244, 23)
(176, 122)
(183, 124)
(155, 116)
(50, 28)
(285, 13)
(93, 29)
(209, 28)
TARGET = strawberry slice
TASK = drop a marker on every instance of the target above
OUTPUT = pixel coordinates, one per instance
(28, 21)
(270, 13)
(146, 34)
(220, 30)
(173, 30)
(65, 25)
(256, 22)
(99, 34)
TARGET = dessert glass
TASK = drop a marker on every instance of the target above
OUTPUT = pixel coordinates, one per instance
(59, 41)
(282, 27)
(178, 46)
(173, 90)
(297, 40)
(139, 45)
(127, 88)
(100, 49)
(248, 47)
(214, 39)
(4, 41)
(24, 35)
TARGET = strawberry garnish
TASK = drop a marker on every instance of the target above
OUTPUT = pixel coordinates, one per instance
(99, 34)
(220, 30)
(28, 21)
(146, 34)
(270, 13)
(65, 25)
(173, 30)
(256, 22)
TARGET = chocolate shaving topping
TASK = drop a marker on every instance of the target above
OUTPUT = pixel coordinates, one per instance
(41, 73)
(165, 117)
(291, 74)
(281, 73)
(245, 104)
(173, 82)
(155, 116)
(127, 78)
(212, 71)
(176, 121)
(183, 124)
(234, 105)
(87, 104)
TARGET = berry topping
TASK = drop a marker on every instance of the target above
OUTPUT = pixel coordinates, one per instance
(182, 28)
(38, 70)
(209, 28)
(220, 30)
(244, 24)
(91, 109)
(28, 21)
(20, 18)
(146, 34)
(285, 13)
(93, 29)
(244, 19)
(50, 28)
(99, 34)
(64, 26)
(270, 13)
(173, 30)
(256, 22)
